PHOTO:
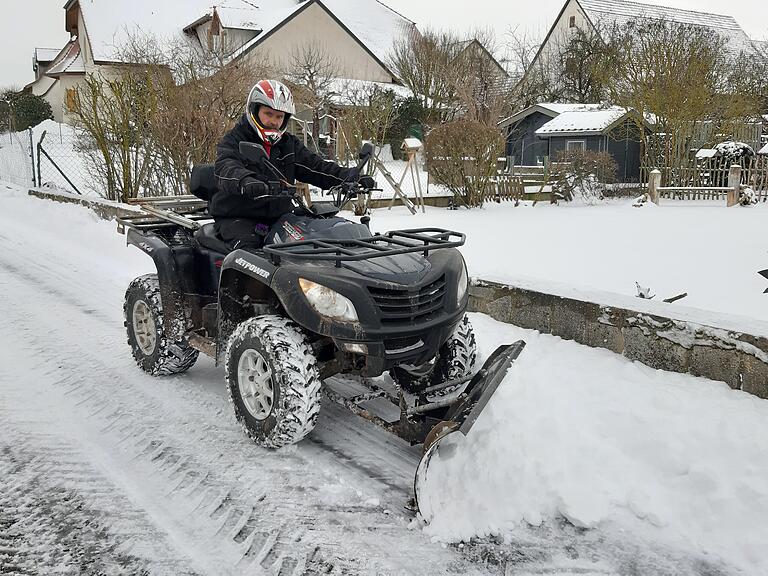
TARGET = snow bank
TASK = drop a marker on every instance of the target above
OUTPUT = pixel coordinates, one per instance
(673, 458)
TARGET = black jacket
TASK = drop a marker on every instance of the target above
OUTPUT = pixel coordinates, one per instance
(289, 155)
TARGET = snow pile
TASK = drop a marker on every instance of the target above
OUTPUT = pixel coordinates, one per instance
(670, 457)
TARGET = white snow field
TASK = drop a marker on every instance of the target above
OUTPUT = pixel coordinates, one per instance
(700, 247)
(583, 463)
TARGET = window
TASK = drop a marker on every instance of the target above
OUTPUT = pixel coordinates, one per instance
(576, 145)
(572, 22)
(71, 99)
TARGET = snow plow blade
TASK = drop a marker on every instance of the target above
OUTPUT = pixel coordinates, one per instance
(462, 414)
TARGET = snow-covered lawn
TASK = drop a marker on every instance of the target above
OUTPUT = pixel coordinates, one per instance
(666, 472)
(703, 248)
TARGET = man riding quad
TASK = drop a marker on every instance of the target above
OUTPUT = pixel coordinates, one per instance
(249, 198)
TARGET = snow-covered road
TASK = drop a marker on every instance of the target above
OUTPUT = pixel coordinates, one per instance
(105, 470)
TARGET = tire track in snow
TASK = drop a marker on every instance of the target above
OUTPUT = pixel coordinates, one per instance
(276, 529)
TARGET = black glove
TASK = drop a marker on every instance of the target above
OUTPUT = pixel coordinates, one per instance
(252, 188)
(367, 182)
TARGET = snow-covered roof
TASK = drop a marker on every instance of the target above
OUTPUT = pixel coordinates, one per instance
(707, 153)
(585, 120)
(608, 12)
(44, 55)
(559, 108)
(551, 109)
(348, 92)
(70, 61)
(109, 24)
(763, 150)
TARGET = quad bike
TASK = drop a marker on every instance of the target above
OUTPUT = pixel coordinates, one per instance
(324, 296)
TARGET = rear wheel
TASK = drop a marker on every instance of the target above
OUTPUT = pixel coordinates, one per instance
(454, 360)
(152, 350)
(273, 380)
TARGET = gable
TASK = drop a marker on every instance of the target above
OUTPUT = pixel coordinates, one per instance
(315, 26)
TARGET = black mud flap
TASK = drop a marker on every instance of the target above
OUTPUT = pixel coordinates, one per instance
(462, 415)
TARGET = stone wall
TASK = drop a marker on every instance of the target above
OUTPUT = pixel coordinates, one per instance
(104, 209)
(666, 343)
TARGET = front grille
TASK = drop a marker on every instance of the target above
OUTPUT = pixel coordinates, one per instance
(411, 305)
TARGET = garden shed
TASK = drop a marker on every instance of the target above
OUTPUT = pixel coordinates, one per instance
(544, 130)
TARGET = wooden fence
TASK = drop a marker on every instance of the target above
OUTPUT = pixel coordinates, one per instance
(706, 180)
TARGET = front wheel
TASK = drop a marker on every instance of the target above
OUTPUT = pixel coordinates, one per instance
(273, 381)
(152, 350)
(455, 359)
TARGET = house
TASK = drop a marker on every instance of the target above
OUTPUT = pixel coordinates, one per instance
(543, 130)
(593, 15)
(355, 34)
(57, 73)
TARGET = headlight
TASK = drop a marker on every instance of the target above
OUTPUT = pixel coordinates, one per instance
(461, 289)
(328, 302)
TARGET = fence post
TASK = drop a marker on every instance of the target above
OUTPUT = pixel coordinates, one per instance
(32, 156)
(734, 183)
(654, 183)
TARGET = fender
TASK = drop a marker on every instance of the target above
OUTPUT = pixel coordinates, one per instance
(243, 273)
(171, 289)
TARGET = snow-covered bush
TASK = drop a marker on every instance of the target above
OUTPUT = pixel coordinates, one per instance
(748, 197)
(732, 152)
(584, 173)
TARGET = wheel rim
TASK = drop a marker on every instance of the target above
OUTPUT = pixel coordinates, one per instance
(144, 327)
(254, 378)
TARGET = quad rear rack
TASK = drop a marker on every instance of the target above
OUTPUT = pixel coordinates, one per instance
(165, 212)
(377, 246)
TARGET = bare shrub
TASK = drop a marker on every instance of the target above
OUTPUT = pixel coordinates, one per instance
(584, 173)
(462, 156)
(144, 125)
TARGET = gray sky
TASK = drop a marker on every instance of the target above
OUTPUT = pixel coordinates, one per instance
(40, 23)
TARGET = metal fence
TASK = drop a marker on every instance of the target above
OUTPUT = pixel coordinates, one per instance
(16, 158)
(59, 163)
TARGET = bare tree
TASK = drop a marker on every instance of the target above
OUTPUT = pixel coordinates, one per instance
(426, 63)
(312, 74)
(146, 124)
(680, 75)
(366, 114)
(483, 88)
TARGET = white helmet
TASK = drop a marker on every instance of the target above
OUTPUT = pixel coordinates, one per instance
(276, 95)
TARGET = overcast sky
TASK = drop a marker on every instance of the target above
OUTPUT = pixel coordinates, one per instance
(40, 23)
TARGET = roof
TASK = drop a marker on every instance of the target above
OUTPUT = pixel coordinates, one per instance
(583, 121)
(622, 11)
(348, 92)
(70, 61)
(108, 24)
(763, 150)
(45, 55)
(550, 109)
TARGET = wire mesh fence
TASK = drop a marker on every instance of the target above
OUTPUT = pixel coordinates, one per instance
(16, 161)
(60, 161)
